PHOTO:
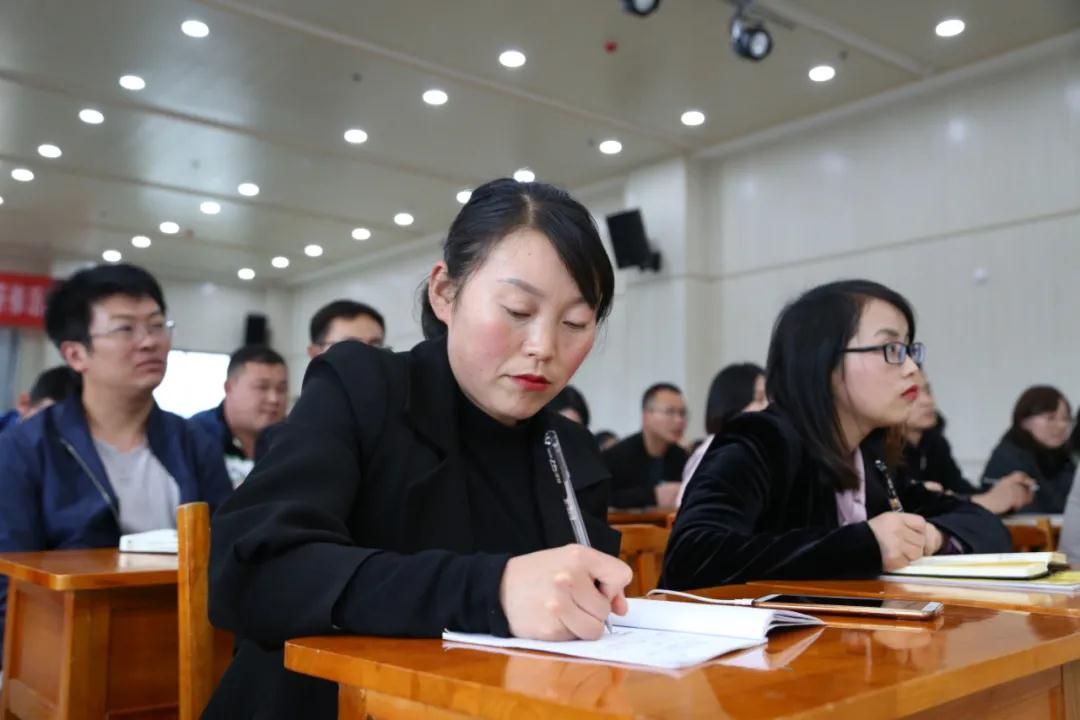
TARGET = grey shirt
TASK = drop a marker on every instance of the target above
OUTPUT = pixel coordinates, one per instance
(148, 494)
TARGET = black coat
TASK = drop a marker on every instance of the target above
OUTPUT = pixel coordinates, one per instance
(758, 507)
(1054, 486)
(931, 460)
(358, 520)
(629, 463)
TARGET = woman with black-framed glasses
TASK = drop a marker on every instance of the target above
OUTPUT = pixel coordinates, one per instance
(806, 488)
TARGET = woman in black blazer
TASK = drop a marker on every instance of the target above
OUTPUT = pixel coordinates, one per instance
(797, 491)
(410, 493)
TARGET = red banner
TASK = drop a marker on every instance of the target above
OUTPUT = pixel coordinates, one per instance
(22, 299)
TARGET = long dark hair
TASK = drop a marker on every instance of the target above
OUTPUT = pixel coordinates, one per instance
(502, 206)
(1037, 400)
(730, 391)
(808, 342)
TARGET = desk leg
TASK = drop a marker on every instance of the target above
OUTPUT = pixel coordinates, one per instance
(352, 703)
(1070, 686)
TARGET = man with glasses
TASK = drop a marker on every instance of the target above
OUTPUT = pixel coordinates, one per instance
(646, 468)
(107, 461)
(345, 320)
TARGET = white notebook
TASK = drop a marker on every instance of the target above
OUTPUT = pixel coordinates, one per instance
(152, 541)
(660, 633)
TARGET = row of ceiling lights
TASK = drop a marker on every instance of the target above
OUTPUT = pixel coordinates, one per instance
(950, 27)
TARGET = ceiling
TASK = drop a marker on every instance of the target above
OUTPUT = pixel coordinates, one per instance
(267, 96)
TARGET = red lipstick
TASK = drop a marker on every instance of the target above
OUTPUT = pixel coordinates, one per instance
(532, 383)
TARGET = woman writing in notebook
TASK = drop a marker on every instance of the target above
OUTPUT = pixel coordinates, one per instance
(410, 493)
(803, 489)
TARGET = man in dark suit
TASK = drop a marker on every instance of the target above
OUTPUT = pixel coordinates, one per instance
(646, 468)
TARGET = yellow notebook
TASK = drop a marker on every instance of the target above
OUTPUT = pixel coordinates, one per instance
(994, 566)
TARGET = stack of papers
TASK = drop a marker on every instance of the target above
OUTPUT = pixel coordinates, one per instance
(660, 633)
(153, 541)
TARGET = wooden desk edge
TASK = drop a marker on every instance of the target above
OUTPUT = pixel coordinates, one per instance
(88, 581)
(906, 697)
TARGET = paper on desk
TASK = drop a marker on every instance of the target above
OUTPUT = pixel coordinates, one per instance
(635, 646)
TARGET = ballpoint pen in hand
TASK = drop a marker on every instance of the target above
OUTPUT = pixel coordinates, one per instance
(561, 471)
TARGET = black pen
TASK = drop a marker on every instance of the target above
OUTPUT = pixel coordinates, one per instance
(894, 499)
(561, 471)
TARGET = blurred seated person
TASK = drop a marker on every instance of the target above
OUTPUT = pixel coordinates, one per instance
(736, 389)
(345, 320)
(570, 403)
(928, 459)
(606, 439)
(1037, 444)
(802, 489)
(52, 386)
(107, 461)
(646, 468)
(256, 397)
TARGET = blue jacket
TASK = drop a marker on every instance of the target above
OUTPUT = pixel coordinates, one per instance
(213, 422)
(55, 494)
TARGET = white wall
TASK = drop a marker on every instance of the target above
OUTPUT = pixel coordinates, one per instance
(919, 195)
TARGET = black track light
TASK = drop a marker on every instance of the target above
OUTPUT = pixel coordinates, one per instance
(750, 39)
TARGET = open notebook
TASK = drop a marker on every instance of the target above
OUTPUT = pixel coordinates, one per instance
(998, 566)
(152, 541)
(660, 633)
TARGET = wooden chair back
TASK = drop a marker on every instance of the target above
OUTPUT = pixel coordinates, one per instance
(643, 549)
(205, 652)
(1030, 538)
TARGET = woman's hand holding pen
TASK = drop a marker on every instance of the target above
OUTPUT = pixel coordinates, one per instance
(904, 538)
(563, 593)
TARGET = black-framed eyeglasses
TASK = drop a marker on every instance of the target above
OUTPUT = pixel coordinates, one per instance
(895, 352)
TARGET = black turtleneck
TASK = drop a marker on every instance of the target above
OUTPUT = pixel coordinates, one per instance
(500, 476)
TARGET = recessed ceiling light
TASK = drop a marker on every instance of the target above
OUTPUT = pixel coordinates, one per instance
(195, 28)
(112, 256)
(463, 196)
(313, 250)
(361, 233)
(90, 116)
(524, 175)
(140, 241)
(512, 58)
(209, 207)
(169, 227)
(48, 150)
(822, 73)
(280, 262)
(610, 147)
(245, 274)
(248, 189)
(132, 82)
(435, 97)
(693, 118)
(355, 136)
(22, 174)
(403, 219)
(950, 27)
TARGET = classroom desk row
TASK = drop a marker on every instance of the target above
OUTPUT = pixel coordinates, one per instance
(92, 634)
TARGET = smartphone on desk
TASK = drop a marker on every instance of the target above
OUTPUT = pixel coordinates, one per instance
(836, 605)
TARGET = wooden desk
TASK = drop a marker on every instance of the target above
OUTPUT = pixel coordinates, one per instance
(1018, 600)
(90, 634)
(639, 516)
(972, 662)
